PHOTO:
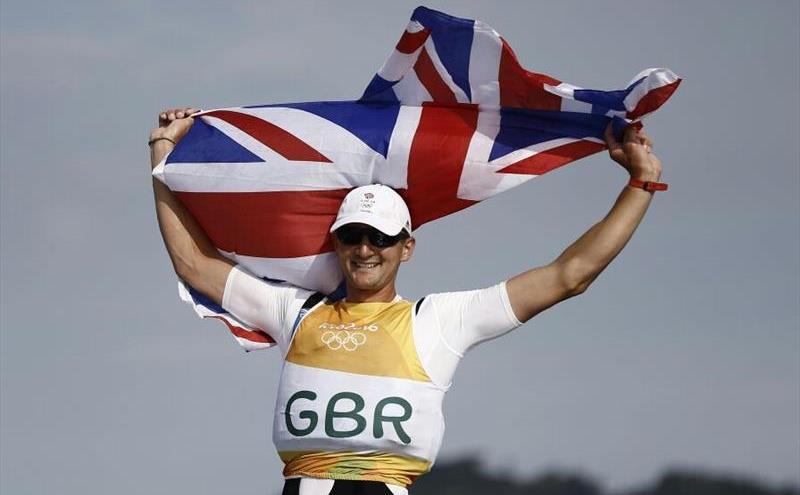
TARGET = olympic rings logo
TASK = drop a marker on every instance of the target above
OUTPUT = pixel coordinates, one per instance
(349, 341)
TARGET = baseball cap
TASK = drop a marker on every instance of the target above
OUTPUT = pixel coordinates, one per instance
(375, 205)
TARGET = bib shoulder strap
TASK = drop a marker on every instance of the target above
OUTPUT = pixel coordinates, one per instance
(417, 305)
(312, 301)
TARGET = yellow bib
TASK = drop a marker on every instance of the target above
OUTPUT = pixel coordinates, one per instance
(354, 401)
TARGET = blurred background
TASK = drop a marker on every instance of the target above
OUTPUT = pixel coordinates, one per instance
(679, 367)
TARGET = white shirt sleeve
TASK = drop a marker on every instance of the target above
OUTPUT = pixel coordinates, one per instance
(450, 323)
(269, 306)
(471, 317)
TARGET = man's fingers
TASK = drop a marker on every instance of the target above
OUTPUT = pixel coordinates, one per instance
(183, 113)
(631, 135)
(180, 112)
(611, 141)
(648, 145)
(646, 141)
(171, 114)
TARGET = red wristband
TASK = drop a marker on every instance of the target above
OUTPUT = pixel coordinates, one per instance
(647, 185)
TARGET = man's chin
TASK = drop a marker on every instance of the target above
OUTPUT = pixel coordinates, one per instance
(364, 283)
(365, 286)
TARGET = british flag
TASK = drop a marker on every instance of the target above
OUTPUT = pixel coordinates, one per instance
(450, 119)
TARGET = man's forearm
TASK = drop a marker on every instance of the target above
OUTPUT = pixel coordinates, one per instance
(193, 256)
(576, 268)
(587, 257)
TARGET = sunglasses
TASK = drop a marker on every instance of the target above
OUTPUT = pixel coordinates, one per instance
(352, 235)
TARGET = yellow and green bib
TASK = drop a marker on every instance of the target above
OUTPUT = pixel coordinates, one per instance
(354, 401)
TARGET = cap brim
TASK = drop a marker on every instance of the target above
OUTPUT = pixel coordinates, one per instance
(387, 227)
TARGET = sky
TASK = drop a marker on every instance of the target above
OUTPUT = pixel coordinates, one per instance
(685, 352)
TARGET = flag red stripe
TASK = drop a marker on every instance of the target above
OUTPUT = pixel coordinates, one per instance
(283, 142)
(409, 42)
(433, 82)
(653, 100)
(253, 336)
(523, 89)
(278, 224)
(553, 158)
(436, 160)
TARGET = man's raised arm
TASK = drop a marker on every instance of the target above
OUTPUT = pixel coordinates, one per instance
(194, 258)
(576, 268)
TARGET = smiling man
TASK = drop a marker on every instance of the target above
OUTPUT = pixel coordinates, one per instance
(359, 406)
(371, 220)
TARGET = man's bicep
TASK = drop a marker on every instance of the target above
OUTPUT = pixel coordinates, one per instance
(531, 292)
(210, 278)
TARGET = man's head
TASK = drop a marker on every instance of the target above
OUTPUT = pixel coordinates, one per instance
(372, 236)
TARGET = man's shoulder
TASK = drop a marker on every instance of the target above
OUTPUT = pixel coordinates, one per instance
(457, 298)
(242, 280)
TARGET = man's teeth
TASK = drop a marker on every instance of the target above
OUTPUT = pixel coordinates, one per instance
(365, 265)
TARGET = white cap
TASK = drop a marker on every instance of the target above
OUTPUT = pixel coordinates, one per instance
(375, 205)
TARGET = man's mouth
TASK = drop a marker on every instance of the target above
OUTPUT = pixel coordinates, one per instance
(363, 264)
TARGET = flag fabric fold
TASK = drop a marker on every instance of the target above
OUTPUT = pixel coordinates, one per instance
(451, 119)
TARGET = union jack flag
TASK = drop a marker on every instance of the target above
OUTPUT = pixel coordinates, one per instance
(450, 119)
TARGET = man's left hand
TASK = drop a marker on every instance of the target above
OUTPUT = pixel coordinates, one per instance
(634, 153)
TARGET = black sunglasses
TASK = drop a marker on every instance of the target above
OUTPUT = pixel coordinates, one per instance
(352, 235)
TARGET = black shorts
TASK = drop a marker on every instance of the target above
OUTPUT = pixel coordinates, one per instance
(307, 486)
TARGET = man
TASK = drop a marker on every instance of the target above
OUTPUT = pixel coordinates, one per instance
(359, 402)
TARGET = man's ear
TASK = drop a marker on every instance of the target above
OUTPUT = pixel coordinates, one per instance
(408, 249)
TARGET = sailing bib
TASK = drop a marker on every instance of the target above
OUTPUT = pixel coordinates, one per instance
(354, 401)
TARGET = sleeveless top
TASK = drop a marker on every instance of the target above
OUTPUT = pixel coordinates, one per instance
(354, 400)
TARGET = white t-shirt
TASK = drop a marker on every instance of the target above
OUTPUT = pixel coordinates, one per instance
(446, 324)
(362, 384)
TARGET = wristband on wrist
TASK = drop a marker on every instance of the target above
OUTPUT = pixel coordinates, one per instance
(150, 143)
(648, 185)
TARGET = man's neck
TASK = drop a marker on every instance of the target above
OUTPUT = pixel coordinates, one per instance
(386, 294)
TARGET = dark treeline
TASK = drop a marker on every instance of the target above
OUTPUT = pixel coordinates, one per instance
(467, 477)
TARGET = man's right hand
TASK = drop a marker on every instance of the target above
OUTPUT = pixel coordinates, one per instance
(174, 123)
(194, 257)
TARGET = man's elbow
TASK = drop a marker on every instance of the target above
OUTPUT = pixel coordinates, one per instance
(185, 269)
(575, 289)
(579, 289)
(576, 277)
(181, 271)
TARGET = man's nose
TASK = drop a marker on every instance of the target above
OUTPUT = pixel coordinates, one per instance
(364, 246)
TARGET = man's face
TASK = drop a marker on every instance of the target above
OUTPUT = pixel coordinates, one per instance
(370, 268)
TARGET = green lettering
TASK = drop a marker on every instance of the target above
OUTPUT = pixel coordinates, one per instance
(311, 416)
(331, 413)
(377, 424)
